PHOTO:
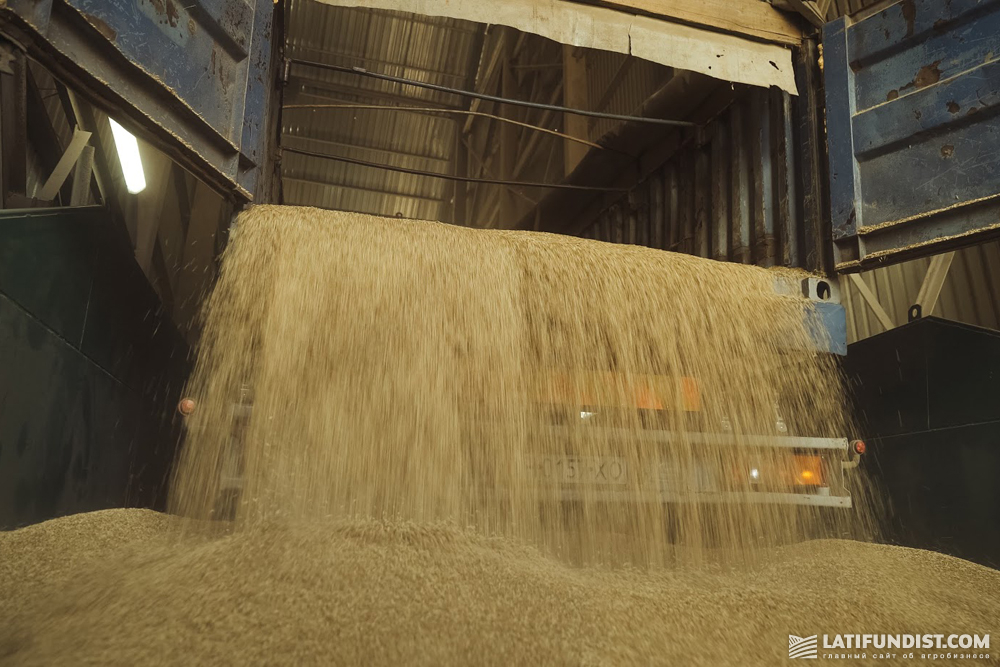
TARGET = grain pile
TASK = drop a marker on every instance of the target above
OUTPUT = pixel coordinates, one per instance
(376, 593)
(355, 366)
(364, 479)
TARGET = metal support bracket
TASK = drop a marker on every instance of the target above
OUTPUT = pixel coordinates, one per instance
(810, 11)
(6, 58)
(58, 176)
(872, 301)
(930, 288)
(82, 173)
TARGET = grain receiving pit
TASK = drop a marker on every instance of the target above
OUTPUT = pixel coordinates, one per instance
(385, 514)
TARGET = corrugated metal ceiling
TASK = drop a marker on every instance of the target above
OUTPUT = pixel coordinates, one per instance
(433, 50)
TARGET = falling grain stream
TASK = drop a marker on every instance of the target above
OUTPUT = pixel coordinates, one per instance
(368, 477)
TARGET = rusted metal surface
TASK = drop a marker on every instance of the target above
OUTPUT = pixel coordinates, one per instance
(913, 93)
(191, 76)
(733, 192)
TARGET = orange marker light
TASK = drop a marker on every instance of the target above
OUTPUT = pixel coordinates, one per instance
(860, 447)
(808, 470)
(690, 394)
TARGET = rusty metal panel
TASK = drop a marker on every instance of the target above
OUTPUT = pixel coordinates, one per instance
(731, 192)
(194, 77)
(913, 93)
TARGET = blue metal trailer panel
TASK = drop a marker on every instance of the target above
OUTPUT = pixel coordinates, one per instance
(913, 94)
(193, 75)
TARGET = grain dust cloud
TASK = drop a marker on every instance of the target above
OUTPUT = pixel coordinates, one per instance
(416, 443)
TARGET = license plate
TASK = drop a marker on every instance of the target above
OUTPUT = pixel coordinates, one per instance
(582, 470)
(696, 478)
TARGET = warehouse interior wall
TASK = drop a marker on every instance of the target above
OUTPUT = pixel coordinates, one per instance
(100, 293)
(92, 367)
(732, 191)
(176, 226)
(748, 184)
(352, 142)
(726, 189)
(970, 294)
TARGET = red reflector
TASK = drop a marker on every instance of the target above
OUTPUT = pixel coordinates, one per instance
(860, 447)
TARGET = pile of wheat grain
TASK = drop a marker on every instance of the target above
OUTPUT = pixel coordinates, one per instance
(116, 588)
(359, 483)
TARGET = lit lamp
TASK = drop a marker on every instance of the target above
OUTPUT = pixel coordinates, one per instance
(128, 155)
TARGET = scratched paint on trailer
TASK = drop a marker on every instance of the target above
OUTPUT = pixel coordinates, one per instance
(913, 99)
(192, 73)
(935, 111)
(179, 48)
(937, 55)
(258, 88)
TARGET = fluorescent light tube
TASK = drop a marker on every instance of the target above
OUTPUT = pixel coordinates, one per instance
(128, 155)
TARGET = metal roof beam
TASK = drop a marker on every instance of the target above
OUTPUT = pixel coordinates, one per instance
(370, 149)
(361, 188)
(507, 98)
(484, 77)
(322, 54)
(454, 25)
(330, 91)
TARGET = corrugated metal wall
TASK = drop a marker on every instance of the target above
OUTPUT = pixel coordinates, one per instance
(619, 84)
(425, 48)
(733, 193)
(971, 292)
